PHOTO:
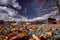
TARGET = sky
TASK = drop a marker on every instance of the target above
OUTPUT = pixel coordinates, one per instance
(26, 9)
(36, 8)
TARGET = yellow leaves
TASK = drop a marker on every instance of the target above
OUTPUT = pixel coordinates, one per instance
(49, 33)
(35, 37)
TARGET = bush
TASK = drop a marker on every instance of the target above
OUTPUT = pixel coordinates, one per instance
(4, 32)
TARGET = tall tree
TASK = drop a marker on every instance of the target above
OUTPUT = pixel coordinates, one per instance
(57, 4)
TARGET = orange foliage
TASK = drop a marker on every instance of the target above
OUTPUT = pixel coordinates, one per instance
(49, 33)
(21, 35)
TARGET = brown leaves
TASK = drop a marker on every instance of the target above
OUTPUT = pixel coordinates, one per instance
(21, 35)
(4, 37)
(31, 39)
(42, 36)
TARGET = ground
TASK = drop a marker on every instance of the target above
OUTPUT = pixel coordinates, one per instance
(30, 32)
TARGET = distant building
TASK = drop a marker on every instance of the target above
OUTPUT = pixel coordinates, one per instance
(52, 21)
